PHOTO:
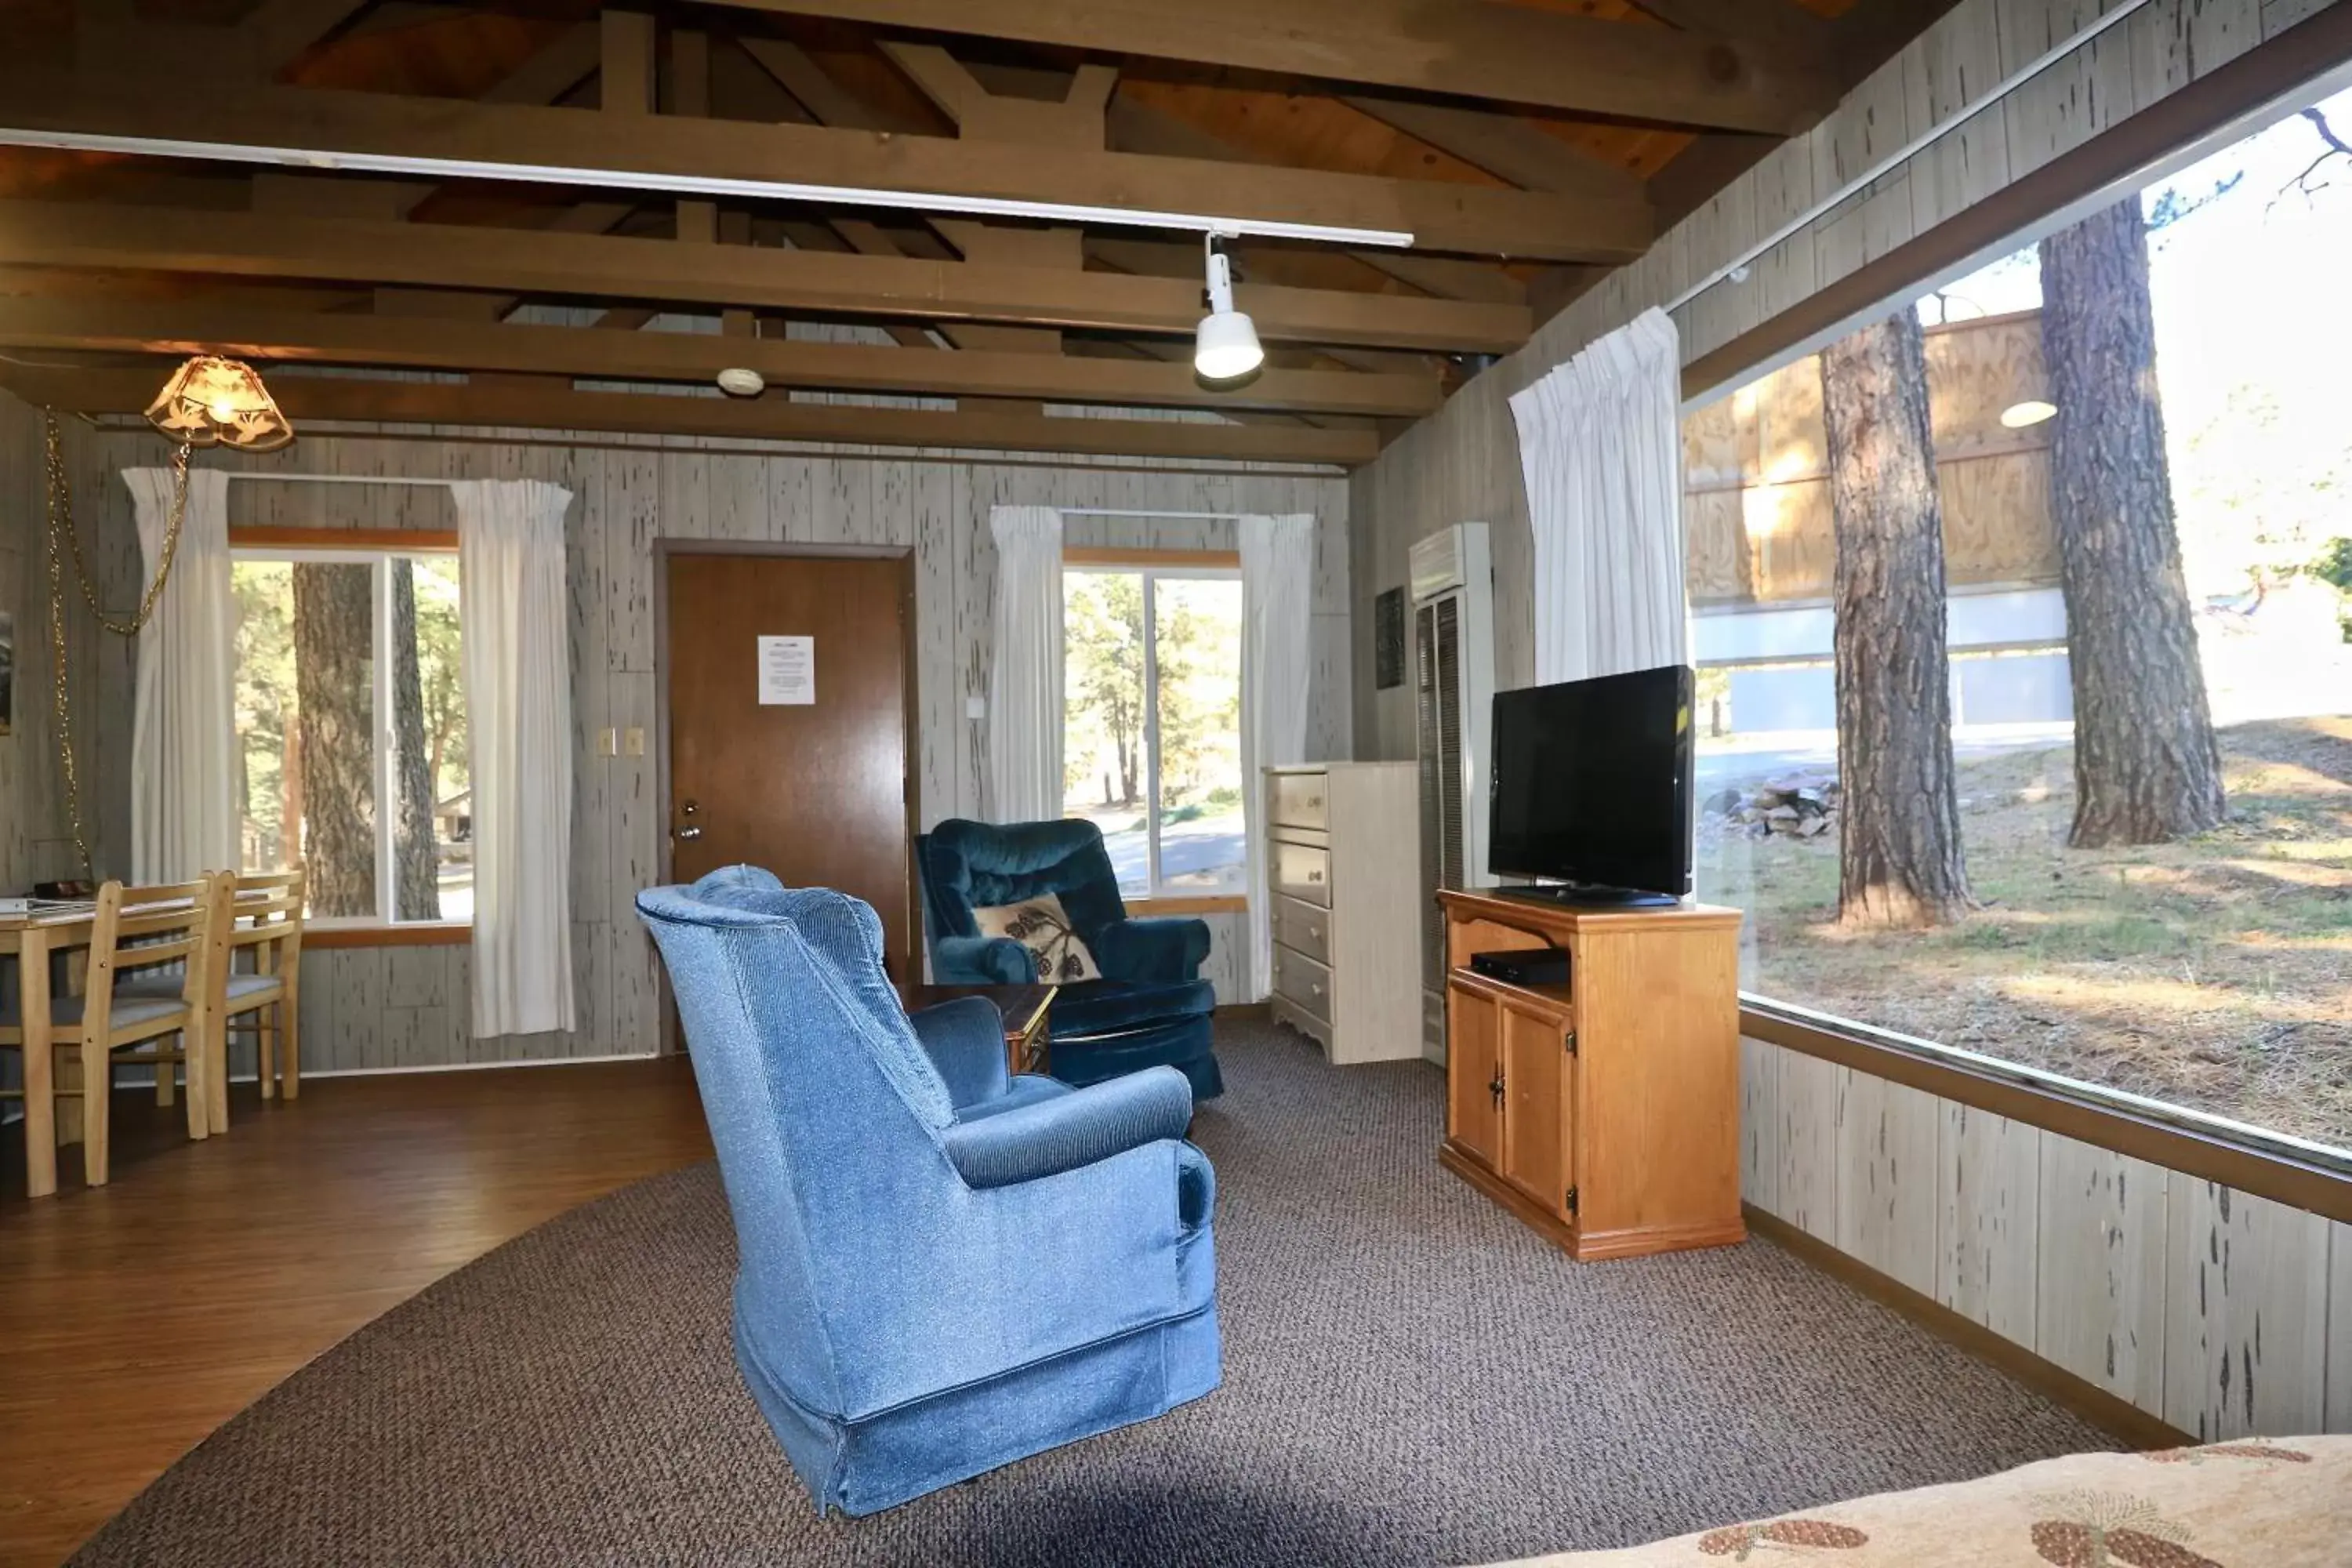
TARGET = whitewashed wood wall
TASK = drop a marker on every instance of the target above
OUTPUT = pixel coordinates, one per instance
(2223, 1313)
(35, 842)
(1462, 462)
(405, 1007)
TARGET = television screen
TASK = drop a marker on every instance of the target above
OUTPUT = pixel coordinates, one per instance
(1591, 782)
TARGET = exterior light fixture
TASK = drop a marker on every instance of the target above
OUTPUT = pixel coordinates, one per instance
(215, 402)
(2032, 412)
(1226, 347)
(736, 381)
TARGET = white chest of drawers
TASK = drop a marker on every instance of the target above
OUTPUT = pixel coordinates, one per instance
(1343, 858)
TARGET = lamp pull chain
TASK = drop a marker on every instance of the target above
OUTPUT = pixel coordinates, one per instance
(60, 519)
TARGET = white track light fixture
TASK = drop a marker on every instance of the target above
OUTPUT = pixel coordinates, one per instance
(1226, 347)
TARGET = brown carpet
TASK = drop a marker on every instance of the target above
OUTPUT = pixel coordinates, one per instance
(1411, 1377)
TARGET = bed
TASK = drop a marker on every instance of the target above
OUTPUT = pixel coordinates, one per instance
(2252, 1503)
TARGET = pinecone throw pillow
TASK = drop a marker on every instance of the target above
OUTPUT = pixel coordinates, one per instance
(1040, 925)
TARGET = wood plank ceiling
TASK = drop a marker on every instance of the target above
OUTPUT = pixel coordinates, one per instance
(1527, 145)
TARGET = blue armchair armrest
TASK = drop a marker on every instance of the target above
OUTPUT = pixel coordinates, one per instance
(1168, 947)
(982, 960)
(1077, 1129)
(965, 1040)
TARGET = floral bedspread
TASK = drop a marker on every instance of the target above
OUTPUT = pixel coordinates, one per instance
(2252, 1503)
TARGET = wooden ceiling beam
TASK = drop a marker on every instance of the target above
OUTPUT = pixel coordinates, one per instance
(434, 341)
(281, 31)
(1144, 129)
(1769, 21)
(539, 262)
(773, 417)
(549, 75)
(1441, 216)
(1468, 48)
(1505, 145)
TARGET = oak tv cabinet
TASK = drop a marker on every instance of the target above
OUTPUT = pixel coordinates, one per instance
(1605, 1112)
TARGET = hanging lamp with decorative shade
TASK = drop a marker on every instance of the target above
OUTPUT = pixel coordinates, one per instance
(215, 402)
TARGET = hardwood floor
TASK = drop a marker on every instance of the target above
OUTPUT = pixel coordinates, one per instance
(137, 1317)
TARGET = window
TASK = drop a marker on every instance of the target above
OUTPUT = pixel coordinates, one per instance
(1151, 748)
(2100, 895)
(349, 694)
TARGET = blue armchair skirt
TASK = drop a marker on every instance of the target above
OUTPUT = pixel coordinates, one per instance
(862, 1464)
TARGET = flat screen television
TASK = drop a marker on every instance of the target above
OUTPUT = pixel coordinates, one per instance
(1591, 787)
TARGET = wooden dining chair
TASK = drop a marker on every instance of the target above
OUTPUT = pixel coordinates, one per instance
(260, 915)
(150, 957)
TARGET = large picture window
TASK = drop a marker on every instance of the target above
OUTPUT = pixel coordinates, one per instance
(1151, 744)
(2025, 698)
(350, 696)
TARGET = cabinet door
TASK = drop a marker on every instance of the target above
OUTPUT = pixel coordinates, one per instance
(1535, 1114)
(1472, 1056)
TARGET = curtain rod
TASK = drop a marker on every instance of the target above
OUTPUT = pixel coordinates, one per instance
(1737, 269)
(1138, 512)
(338, 479)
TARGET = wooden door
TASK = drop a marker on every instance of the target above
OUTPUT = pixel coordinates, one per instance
(818, 792)
(1535, 1076)
(1473, 1118)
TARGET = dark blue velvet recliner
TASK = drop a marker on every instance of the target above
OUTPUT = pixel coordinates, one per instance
(1150, 1009)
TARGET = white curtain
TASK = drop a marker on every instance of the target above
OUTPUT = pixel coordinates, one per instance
(183, 719)
(518, 679)
(1600, 445)
(1277, 606)
(1025, 681)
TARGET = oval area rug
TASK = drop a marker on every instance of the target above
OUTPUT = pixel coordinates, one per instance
(1411, 1377)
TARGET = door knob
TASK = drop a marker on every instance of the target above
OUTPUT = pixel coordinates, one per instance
(686, 833)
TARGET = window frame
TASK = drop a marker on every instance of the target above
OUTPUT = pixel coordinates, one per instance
(1152, 565)
(2227, 103)
(375, 548)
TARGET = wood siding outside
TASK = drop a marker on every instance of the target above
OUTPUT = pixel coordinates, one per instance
(1756, 494)
(367, 1008)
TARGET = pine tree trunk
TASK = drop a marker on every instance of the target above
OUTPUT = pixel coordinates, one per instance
(333, 616)
(2146, 767)
(1899, 853)
(290, 803)
(416, 881)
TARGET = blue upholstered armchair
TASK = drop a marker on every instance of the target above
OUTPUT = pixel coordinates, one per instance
(1150, 1009)
(943, 1269)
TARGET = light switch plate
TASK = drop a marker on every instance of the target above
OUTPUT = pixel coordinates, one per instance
(608, 743)
(975, 706)
(633, 741)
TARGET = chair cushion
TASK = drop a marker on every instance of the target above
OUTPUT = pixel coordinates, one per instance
(168, 986)
(67, 1010)
(1118, 1007)
(1027, 1088)
(1039, 924)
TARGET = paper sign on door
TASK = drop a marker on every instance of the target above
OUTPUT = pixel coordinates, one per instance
(787, 671)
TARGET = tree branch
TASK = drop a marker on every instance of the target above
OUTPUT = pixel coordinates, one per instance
(2335, 146)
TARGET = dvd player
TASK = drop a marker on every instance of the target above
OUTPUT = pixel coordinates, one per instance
(1523, 966)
